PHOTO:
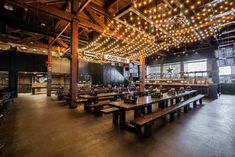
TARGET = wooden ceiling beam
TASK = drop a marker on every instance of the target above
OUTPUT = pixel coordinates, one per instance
(62, 43)
(109, 4)
(64, 29)
(20, 42)
(98, 9)
(45, 9)
(95, 17)
(35, 37)
(66, 8)
(82, 7)
(42, 1)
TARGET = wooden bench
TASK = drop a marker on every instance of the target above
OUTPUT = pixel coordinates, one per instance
(98, 107)
(148, 120)
(112, 110)
(79, 101)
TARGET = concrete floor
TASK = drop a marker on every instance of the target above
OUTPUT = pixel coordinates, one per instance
(41, 127)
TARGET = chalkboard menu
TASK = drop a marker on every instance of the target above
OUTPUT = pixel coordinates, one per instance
(225, 56)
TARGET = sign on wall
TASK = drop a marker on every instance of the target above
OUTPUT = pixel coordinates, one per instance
(116, 59)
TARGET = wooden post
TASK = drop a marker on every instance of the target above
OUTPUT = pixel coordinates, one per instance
(142, 70)
(161, 71)
(74, 63)
(49, 72)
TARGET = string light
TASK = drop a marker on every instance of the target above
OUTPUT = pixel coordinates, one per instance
(128, 41)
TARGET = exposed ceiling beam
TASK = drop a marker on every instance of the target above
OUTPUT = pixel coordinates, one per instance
(66, 7)
(98, 9)
(64, 29)
(17, 41)
(209, 23)
(109, 4)
(43, 1)
(62, 43)
(82, 7)
(95, 17)
(35, 37)
(40, 7)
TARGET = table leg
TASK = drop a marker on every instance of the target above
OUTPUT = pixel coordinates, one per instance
(122, 118)
(115, 98)
(137, 112)
(149, 109)
(177, 100)
(87, 104)
(166, 103)
(161, 104)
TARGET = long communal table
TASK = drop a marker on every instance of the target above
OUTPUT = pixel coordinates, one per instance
(95, 99)
(146, 101)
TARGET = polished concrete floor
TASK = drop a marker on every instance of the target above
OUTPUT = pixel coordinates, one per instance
(41, 127)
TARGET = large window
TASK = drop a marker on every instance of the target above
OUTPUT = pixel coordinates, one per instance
(153, 71)
(171, 70)
(225, 70)
(227, 74)
(195, 66)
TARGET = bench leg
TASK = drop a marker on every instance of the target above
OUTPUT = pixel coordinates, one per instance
(185, 109)
(138, 131)
(194, 104)
(172, 101)
(200, 101)
(172, 116)
(179, 112)
(148, 130)
(115, 118)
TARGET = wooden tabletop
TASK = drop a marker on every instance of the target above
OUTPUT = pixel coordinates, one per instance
(141, 101)
(86, 96)
(147, 100)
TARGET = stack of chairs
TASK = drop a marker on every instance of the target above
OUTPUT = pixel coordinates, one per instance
(6, 98)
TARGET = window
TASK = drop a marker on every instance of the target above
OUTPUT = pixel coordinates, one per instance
(153, 71)
(196, 66)
(225, 70)
(171, 70)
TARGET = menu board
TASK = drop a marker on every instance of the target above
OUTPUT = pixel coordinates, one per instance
(225, 56)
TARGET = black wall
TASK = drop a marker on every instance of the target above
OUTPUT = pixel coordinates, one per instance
(13, 62)
(102, 73)
(94, 69)
(113, 75)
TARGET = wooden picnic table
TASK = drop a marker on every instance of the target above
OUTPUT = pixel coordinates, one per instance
(146, 101)
(94, 99)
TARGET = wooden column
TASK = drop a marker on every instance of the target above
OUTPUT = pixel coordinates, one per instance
(161, 71)
(74, 63)
(142, 70)
(49, 72)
